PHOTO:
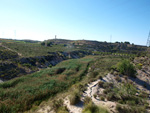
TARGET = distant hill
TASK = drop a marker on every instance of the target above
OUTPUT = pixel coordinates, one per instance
(31, 48)
(119, 47)
(19, 57)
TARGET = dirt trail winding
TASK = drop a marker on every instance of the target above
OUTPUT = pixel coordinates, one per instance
(73, 108)
(10, 49)
(92, 89)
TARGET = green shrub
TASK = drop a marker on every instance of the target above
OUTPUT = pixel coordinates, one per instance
(60, 70)
(106, 85)
(57, 104)
(139, 66)
(100, 77)
(27, 65)
(95, 95)
(63, 109)
(125, 93)
(146, 106)
(110, 96)
(143, 94)
(87, 100)
(130, 109)
(106, 91)
(111, 71)
(113, 67)
(119, 108)
(102, 98)
(94, 74)
(117, 78)
(126, 68)
(92, 108)
(131, 102)
(74, 98)
(11, 83)
(121, 101)
(50, 66)
(100, 83)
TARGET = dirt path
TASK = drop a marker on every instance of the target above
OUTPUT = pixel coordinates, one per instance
(73, 108)
(10, 49)
(92, 88)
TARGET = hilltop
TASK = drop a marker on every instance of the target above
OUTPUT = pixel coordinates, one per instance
(30, 48)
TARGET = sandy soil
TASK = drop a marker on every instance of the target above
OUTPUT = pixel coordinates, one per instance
(1, 81)
(92, 88)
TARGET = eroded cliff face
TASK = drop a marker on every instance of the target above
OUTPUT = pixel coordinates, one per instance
(22, 66)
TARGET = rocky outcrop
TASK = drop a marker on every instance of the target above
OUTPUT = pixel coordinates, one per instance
(22, 66)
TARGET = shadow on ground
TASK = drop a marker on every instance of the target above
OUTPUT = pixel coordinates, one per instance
(141, 83)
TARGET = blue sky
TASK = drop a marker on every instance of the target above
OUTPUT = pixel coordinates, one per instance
(123, 20)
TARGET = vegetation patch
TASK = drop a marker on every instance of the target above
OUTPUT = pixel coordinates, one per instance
(90, 107)
(126, 68)
(130, 109)
(74, 98)
(125, 94)
(22, 93)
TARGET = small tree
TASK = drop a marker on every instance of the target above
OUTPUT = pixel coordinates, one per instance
(126, 68)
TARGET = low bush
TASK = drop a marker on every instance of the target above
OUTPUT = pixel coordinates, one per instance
(95, 95)
(110, 96)
(106, 85)
(117, 78)
(143, 94)
(100, 83)
(11, 83)
(100, 77)
(27, 65)
(94, 74)
(63, 109)
(102, 98)
(126, 68)
(92, 108)
(125, 94)
(139, 66)
(87, 100)
(74, 98)
(113, 67)
(50, 66)
(60, 70)
(106, 91)
(7, 54)
(57, 104)
(130, 109)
